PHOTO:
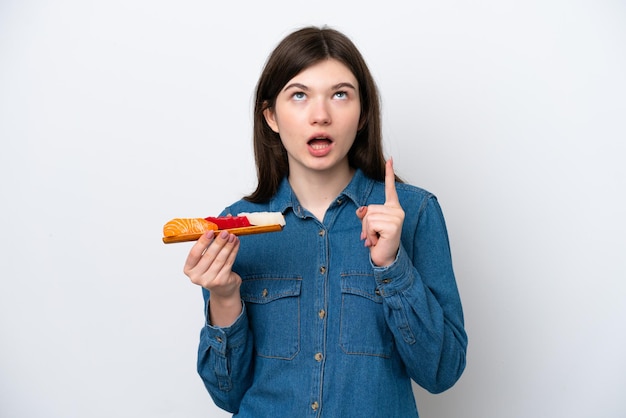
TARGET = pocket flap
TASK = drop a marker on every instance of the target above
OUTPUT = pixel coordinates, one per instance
(360, 284)
(264, 290)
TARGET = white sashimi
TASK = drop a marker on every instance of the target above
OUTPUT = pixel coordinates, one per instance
(264, 218)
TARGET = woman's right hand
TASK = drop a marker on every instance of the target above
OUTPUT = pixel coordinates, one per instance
(209, 265)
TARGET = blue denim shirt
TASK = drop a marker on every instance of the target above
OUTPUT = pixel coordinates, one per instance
(324, 332)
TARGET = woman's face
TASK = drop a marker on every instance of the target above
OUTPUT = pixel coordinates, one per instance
(317, 117)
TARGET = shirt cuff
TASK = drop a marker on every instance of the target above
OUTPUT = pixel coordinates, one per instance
(223, 338)
(396, 277)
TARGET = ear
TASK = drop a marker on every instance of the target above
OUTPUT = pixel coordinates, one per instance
(362, 122)
(270, 118)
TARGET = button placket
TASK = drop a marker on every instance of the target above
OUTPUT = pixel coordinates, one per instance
(318, 347)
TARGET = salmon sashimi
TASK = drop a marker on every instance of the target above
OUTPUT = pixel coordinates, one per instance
(186, 226)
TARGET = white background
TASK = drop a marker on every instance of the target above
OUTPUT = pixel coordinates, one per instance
(117, 115)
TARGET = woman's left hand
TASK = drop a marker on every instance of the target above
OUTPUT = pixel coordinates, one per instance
(382, 224)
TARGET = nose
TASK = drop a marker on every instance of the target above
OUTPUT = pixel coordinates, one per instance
(320, 114)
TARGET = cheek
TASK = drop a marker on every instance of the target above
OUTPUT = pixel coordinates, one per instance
(294, 126)
(354, 122)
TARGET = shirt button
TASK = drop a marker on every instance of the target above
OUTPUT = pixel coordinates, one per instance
(321, 233)
(339, 201)
(321, 314)
(322, 269)
(386, 281)
(318, 356)
(315, 406)
(264, 293)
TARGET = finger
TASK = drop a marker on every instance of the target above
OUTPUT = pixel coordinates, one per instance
(391, 195)
(372, 227)
(371, 239)
(198, 250)
(215, 261)
(227, 244)
(230, 261)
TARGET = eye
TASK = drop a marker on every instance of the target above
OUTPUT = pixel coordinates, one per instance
(299, 95)
(342, 95)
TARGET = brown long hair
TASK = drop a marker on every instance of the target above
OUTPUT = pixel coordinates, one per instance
(296, 52)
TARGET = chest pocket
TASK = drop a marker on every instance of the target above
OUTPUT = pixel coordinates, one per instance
(363, 329)
(273, 306)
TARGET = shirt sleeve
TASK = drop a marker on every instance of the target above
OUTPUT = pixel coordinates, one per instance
(422, 304)
(225, 360)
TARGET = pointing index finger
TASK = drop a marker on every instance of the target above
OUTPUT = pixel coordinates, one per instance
(391, 195)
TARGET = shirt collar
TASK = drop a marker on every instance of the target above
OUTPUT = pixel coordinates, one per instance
(358, 190)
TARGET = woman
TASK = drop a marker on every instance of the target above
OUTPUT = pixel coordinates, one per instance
(336, 314)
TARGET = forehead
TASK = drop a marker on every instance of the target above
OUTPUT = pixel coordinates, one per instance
(326, 73)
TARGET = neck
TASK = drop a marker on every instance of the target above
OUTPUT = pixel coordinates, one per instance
(317, 190)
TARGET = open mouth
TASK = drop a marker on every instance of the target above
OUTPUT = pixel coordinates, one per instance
(319, 143)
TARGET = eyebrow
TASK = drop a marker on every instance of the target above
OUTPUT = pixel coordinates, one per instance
(301, 86)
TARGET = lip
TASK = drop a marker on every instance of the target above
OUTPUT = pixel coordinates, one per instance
(320, 149)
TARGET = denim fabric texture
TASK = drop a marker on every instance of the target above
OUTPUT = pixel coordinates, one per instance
(324, 332)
